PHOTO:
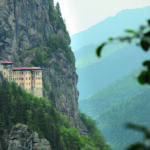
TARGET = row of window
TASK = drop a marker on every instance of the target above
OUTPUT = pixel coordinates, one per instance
(24, 72)
(13, 79)
(21, 73)
(25, 78)
(35, 89)
(22, 84)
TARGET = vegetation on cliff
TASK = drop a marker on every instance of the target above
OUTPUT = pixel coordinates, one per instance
(58, 39)
(18, 106)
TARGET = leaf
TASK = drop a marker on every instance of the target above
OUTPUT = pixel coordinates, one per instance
(147, 34)
(130, 31)
(145, 44)
(144, 77)
(147, 63)
(99, 49)
(137, 127)
(110, 39)
(148, 22)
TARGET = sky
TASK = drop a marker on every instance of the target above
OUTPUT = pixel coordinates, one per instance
(81, 14)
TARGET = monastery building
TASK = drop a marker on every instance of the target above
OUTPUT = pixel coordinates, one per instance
(29, 78)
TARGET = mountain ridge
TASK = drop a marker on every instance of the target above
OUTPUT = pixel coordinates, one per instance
(110, 26)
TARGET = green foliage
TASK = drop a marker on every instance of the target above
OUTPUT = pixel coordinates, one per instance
(99, 49)
(45, 86)
(19, 107)
(58, 39)
(58, 9)
(94, 133)
(40, 59)
(138, 145)
(72, 138)
(3, 143)
(130, 31)
(70, 56)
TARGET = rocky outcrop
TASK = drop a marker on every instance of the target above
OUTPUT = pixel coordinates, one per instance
(22, 138)
(28, 27)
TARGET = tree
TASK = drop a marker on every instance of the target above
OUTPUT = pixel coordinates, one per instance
(58, 9)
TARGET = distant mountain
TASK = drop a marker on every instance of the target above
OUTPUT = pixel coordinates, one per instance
(114, 64)
(112, 122)
(118, 60)
(111, 26)
(114, 94)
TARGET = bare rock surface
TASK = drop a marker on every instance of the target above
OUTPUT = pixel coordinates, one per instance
(22, 138)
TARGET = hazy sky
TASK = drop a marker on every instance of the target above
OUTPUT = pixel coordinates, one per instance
(81, 14)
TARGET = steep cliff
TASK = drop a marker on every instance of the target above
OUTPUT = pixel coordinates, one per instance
(32, 33)
(22, 138)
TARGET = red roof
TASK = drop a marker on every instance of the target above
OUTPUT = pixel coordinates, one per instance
(6, 62)
(27, 68)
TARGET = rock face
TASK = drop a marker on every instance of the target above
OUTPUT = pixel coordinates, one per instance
(27, 28)
(22, 138)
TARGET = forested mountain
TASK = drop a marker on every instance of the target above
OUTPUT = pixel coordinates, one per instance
(114, 94)
(112, 122)
(121, 102)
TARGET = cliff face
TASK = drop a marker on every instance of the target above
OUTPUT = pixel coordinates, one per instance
(22, 138)
(33, 33)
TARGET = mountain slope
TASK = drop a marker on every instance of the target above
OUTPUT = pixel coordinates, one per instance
(116, 93)
(111, 122)
(115, 64)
